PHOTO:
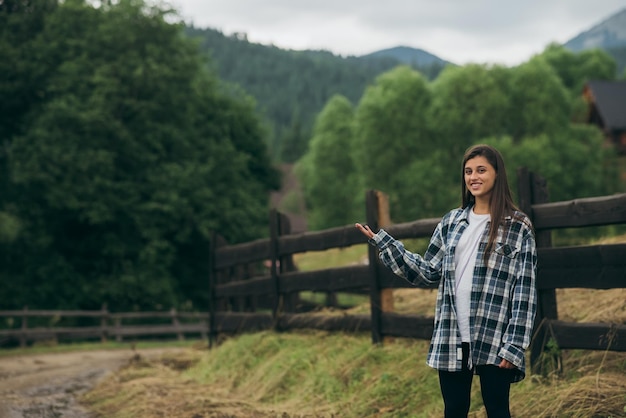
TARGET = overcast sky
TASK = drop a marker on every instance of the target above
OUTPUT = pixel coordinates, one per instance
(460, 31)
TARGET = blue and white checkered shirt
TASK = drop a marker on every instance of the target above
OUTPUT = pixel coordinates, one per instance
(503, 298)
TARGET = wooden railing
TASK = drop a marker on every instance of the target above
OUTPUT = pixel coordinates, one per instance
(255, 286)
(110, 325)
(238, 296)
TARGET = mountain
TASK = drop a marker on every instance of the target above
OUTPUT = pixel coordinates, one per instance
(608, 34)
(409, 56)
(292, 87)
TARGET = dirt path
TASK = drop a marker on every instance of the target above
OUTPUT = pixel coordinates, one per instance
(46, 385)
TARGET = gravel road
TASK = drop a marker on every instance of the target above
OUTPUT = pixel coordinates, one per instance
(46, 385)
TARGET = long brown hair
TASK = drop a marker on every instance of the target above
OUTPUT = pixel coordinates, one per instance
(500, 202)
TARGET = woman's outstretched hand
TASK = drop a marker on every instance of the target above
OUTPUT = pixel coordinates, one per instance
(365, 230)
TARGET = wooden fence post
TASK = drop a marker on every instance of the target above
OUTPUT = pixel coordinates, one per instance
(274, 262)
(104, 316)
(212, 284)
(24, 328)
(286, 264)
(176, 323)
(118, 329)
(532, 189)
(381, 300)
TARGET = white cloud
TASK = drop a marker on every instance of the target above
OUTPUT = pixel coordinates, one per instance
(456, 30)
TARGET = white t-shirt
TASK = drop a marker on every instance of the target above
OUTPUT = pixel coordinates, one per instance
(465, 261)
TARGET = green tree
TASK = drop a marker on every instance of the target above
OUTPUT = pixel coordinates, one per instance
(540, 101)
(21, 77)
(575, 69)
(575, 162)
(327, 171)
(293, 141)
(133, 156)
(392, 132)
(469, 103)
(283, 80)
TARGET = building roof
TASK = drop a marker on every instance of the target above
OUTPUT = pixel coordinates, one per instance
(609, 98)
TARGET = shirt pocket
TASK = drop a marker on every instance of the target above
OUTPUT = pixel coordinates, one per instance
(507, 250)
(503, 260)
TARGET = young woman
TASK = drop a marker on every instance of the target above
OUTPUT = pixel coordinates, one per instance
(484, 259)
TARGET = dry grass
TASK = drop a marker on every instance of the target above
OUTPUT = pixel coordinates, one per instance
(255, 381)
(267, 376)
(592, 305)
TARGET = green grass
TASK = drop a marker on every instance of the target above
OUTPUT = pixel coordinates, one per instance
(319, 374)
(336, 257)
(323, 374)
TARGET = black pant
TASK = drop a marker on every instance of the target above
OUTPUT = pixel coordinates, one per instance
(495, 384)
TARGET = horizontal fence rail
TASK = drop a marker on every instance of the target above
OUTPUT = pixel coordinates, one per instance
(255, 286)
(591, 267)
(587, 267)
(593, 211)
(111, 325)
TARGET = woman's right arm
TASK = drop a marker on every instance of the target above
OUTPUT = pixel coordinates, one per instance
(418, 270)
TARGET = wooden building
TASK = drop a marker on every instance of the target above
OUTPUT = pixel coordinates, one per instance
(607, 110)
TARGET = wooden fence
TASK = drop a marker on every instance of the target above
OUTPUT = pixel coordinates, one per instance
(255, 285)
(110, 325)
(239, 294)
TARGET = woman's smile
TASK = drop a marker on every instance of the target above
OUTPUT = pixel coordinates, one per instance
(480, 176)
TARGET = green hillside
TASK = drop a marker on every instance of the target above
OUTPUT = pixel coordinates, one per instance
(291, 87)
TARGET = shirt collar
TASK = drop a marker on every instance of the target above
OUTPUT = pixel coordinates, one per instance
(465, 213)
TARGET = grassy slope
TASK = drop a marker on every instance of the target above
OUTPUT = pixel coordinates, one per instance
(318, 374)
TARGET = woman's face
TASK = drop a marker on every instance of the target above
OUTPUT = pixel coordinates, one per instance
(480, 176)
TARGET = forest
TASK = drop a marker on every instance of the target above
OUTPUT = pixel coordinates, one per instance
(292, 87)
(407, 134)
(121, 154)
(124, 148)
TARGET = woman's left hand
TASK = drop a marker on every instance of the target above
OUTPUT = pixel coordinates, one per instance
(365, 230)
(505, 364)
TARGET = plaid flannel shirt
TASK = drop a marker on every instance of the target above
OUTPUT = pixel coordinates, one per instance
(503, 298)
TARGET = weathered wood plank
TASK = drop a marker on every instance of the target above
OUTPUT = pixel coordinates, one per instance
(422, 228)
(594, 211)
(407, 326)
(588, 336)
(591, 267)
(328, 280)
(339, 237)
(39, 332)
(249, 252)
(142, 330)
(250, 287)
